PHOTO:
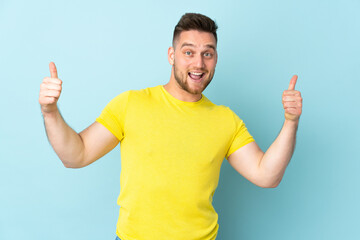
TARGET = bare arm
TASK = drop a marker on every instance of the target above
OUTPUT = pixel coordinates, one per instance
(267, 169)
(74, 150)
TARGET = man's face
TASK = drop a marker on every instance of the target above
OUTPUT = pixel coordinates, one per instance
(194, 58)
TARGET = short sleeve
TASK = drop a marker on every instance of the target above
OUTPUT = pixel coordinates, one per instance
(113, 115)
(241, 136)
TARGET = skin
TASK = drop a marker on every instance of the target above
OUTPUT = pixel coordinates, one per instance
(75, 150)
(267, 169)
(194, 52)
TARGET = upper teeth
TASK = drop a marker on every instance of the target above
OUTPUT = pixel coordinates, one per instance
(198, 74)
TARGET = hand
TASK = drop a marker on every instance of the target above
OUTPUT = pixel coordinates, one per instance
(50, 90)
(292, 101)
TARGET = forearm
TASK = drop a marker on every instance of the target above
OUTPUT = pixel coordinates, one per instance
(67, 144)
(277, 157)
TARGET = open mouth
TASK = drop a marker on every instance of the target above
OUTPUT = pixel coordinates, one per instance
(196, 76)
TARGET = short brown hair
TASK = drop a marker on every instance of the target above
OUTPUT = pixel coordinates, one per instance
(195, 21)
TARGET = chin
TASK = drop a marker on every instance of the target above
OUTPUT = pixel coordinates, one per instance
(198, 90)
(186, 83)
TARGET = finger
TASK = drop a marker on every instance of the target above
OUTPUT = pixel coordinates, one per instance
(53, 70)
(293, 82)
(293, 111)
(51, 86)
(47, 100)
(291, 93)
(292, 104)
(50, 93)
(292, 99)
(52, 80)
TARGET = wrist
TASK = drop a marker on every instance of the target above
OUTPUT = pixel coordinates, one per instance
(47, 113)
(291, 123)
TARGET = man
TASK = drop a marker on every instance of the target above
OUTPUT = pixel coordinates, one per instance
(173, 141)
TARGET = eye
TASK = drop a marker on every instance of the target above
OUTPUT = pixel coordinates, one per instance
(207, 54)
(187, 53)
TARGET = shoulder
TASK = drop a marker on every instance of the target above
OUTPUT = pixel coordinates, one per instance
(140, 93)
(144, 93)
(229, 116)
(122, 96)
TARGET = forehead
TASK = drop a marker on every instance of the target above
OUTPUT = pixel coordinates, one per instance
(196, 38)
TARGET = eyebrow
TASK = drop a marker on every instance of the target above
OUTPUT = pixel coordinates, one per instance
(185, 44)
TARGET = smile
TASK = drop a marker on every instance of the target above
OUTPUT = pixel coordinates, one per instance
(197, 76)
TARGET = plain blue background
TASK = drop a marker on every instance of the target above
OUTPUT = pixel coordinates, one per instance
(103, 49)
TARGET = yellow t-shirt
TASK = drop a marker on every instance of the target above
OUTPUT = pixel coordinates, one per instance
(171, 154)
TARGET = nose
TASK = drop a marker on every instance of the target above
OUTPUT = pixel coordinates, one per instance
(199, 61)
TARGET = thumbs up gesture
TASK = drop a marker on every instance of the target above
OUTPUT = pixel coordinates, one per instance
(292, 101)
(50, 90)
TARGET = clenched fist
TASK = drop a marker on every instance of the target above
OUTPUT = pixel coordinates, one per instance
(50, 90)
(292, 101)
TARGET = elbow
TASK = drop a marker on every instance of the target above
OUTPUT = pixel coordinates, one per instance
(72, 164)
(269, 184)
(68, 165)
(73, 161)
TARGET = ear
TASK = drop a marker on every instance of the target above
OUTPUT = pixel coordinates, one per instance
(171, 55)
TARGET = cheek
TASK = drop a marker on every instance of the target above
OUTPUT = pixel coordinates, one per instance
(182, 64)
(211, 65)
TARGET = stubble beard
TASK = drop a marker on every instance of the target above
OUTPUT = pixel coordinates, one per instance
(184, 84)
